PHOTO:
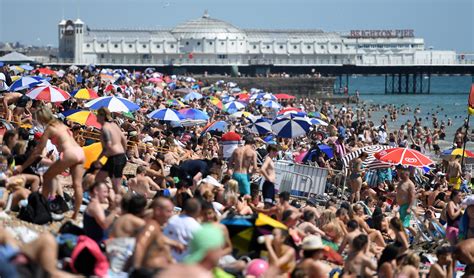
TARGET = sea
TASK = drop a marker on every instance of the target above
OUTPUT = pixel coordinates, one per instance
(447, 100)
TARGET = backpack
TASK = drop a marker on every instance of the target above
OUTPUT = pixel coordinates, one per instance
(87, 258)
(37, 211)
(61, 204)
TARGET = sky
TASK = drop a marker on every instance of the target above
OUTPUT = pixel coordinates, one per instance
(444, 24)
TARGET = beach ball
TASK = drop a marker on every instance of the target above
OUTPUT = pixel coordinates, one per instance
(256, 267)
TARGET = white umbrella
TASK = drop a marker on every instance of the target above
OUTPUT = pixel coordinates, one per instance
(288, 127)
(114, 104)
(165, 114)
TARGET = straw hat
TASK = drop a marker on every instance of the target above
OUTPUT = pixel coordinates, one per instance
(312, 242)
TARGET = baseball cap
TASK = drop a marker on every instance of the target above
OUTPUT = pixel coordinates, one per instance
(206, 238)
(312, 242)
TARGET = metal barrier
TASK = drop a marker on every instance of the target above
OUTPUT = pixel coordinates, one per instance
(300, 180)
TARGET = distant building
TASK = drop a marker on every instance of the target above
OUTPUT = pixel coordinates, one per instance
(209, 41)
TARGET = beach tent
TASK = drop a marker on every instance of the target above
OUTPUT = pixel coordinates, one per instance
(16, 58)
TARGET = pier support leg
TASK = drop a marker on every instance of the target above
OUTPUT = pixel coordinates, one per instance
(414, 82)
(347, 83)
(421, 83)
(385, 83)
(393, 83)
(407, 79)
(399, 83)
(429, 82)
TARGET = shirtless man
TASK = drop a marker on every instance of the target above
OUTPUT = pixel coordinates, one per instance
(130, 222)
(143, 185)
(405, 196)
(444, 266)
(268, 172)
(153, 248)
(284, 204)
(353, 232)
(114, 145)
(358, 263)
(242, 162)
(454, 172)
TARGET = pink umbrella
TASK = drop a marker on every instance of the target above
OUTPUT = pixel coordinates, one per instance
(299, 158)
(155, 80)
(48, 93)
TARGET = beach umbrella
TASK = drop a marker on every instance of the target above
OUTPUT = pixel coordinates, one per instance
(289, 110)
(256, 97)
(26, 67)
(175, 102)
(46, 71)
(403, 156)
(85, 93)
(284, 96)
(370, 162)
(457, 151)
(192, 96)
(227, 99)
(107, 77)
(84, 117)
(243, 96)
(327, 150)
(183, 91)
(233, 106)
(194, 114)
(16, 69)
(260, 127)
(216, 102)
(165, 114)
(269, 96)
(216, 126)
(315, 121)
(92, 153)
(317, 115)
(48, 93)
(240, 114)
(272, 104)
(114, 104)
(28, 82)
(155, 80)
(111, 87)
(287, 127)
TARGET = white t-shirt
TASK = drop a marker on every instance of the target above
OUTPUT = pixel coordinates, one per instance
(181, 228)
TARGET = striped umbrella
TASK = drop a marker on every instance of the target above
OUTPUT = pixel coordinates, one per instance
(272, 104)
(165, 114)
(269, 96)
(114, 104)
(85, 93)
(216, 126)
(194, 114)
(260, 127)
(175, 102)
(84, 117)
(192, 96)
(48, 93)
(216, 102)
(289, 127)
(289, 110)
(234, 106)
(370, 162)
(315, 121)
(28, 82)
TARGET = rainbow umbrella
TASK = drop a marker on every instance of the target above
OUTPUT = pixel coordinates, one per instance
(216, 102)
(175, 102)
(216, 126)
(85, 93)
(84, 117)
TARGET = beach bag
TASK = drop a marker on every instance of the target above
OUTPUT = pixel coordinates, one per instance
(61, 204)
(37, 211)
(87, 258)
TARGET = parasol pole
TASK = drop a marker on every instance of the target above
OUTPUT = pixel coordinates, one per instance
(465, 140)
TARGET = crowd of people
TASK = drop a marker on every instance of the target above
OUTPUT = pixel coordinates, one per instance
(159, 197)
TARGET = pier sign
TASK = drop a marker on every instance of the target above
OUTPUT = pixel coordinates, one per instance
(407, 33)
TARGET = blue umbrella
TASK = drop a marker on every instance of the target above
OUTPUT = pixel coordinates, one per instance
(216, 126)
(114, 104)
(228, 99)
(272, 104)
(192, 96)
(327, 150)
(261, 127)
(233, 107)
(26, 67)
(194, 114)
(28, 82)
(287, 127)
(165, 114)
(315, 121)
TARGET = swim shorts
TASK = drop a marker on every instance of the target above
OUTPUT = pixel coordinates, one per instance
(244, 182)
(405, 216)
(115, 165)
(268, 192)
(456, 182)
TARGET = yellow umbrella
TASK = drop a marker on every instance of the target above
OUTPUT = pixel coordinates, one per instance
(15, 78)
(264, 219)
(458, 151)
(91, 153)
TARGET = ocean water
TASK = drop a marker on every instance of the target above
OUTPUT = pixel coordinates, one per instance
(448, 99)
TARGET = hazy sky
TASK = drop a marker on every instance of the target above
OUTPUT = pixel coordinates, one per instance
(445, 24)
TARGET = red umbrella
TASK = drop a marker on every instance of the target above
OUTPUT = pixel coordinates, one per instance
(284, 96)
(403, 156)
(289, 109)
(244, 96)
(46, 71)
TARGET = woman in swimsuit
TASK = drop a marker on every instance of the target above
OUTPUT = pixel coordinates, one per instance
(453, 215)
(355, 179)
(72, 155)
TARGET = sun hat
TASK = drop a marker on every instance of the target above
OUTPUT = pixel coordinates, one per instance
(206, 238)
(312, 242)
